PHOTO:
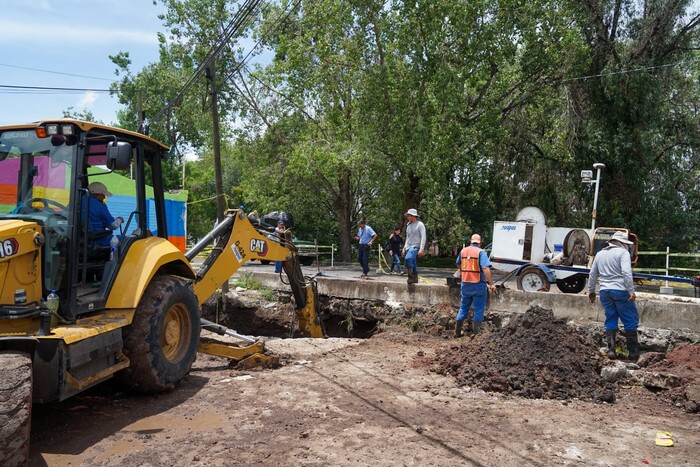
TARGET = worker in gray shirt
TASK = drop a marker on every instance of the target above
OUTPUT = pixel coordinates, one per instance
(414, 246)
(613, 266)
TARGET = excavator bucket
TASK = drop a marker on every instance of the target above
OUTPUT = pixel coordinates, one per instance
(250, 354)
(246, 356)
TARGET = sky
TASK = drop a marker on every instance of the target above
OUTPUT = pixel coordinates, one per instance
(70, 37)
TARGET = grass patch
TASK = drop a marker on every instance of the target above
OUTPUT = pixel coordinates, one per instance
(415, 324)
(268, 294)
(248, 281)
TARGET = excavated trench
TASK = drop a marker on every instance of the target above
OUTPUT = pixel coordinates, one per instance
(528, 354)
(341, 317)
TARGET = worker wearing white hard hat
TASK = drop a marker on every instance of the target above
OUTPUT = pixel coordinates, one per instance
(414, 246)
(613, 267)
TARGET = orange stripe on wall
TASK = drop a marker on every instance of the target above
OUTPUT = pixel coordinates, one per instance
(179, 242)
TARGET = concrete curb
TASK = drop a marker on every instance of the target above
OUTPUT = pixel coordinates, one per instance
(654, 312)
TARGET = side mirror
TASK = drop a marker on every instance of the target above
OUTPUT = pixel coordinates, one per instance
(118, 155)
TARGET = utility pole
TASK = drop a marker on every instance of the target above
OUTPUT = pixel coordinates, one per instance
(587, 177)
(220, 205)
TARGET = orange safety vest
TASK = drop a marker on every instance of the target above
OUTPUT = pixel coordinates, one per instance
(471, 271)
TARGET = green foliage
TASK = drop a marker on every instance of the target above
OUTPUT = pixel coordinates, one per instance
(85, 115)
(467, 110)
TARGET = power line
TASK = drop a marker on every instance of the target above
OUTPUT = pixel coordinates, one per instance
(53, 72)
(16, 89)
(623, 72)
(243, 62)
(234, 26)
(49, 88)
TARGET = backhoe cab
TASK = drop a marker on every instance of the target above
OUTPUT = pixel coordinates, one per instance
(133, 314)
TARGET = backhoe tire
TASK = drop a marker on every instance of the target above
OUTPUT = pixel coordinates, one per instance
(15, 407)
(533, 279)
(572, 284)
(162, 341)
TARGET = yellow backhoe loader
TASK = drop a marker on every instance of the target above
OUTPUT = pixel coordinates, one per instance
(74, 312)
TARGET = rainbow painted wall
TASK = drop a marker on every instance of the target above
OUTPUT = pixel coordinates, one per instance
(122, 203)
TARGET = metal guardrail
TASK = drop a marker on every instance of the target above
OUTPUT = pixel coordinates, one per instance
(668, 268)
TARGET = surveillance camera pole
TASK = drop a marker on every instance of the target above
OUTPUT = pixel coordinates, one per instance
(598, 166)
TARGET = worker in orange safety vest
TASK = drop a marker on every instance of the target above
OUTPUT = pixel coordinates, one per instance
(475, 268)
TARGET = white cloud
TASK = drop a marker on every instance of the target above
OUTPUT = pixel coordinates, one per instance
(61, 34)
(87, 100)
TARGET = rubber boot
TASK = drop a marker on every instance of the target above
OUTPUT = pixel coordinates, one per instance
(610, 341)
(458, 328)
(412, 277)
(632, 344)
(476, 326)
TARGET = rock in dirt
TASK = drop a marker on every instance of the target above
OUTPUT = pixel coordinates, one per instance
(657, 380)
(535, 355)
(615, 372)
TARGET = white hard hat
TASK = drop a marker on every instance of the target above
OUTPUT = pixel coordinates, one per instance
(621, 236)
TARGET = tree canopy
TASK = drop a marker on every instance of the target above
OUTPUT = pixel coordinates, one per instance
(467, 110)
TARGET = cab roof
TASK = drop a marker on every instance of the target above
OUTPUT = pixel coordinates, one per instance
(99, 129)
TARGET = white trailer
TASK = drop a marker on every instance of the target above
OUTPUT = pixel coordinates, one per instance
(541, 255)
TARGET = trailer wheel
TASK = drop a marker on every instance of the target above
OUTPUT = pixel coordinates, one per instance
(533, 279)
(572, 284)
(162, 341)
(15, 407)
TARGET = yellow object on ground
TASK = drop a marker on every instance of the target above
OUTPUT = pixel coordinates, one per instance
(664, 438)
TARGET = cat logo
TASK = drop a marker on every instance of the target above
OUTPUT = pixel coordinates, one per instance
(258, 246)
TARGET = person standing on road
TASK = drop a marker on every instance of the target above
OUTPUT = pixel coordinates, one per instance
(394, 246)
(365, 237)
(414, 246)
(613, 266)
(475, 268)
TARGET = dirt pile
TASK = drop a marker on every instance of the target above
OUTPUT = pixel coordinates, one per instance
(535, 356)
(675, 377)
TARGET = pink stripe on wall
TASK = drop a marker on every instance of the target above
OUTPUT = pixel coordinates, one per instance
(50, 176)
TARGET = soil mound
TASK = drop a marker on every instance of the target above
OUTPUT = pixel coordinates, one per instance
(535, 355)
(676, 377)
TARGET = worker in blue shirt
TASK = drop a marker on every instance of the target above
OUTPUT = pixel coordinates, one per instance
(100, 217)
(365, 237)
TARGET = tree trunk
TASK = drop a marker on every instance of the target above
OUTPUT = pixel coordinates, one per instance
(342, 204)
(411, 195)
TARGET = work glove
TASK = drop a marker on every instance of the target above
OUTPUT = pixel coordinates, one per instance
(117, 222)
(591, 297)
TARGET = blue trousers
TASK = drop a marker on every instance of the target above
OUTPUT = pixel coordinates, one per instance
(476, 293)
(411, 261)
(395, 261)
(617, 306)
(278, 266)
(363, 257)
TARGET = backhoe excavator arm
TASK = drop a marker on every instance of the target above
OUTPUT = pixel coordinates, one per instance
(237, 241)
